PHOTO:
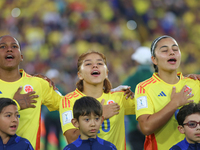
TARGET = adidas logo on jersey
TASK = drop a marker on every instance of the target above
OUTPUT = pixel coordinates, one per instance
(0, 92)
(162, 94)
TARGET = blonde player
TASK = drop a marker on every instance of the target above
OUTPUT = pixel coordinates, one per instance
(159, 98)
(93, 81)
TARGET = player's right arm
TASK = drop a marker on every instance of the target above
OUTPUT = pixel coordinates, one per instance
(149, 123)
(71, 135)
(65, 109)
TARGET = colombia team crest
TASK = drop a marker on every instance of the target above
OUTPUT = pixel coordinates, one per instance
(110, 101)
(28, 88)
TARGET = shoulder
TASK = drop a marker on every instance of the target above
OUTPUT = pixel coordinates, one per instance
(106, 144)
(148, 82)
(109, 144)
(23, 142)
(74, 95)
(70, 147)
(175, 147)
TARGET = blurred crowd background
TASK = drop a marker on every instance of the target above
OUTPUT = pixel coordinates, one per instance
(53, 33)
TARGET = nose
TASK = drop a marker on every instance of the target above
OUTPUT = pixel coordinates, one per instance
(94, 65)
(171, 52)
(15, 118)
(92, 122)
(9, 49)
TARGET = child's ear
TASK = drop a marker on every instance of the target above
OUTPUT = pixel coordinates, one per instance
(102, 119)
(75, 122)
(181, 129)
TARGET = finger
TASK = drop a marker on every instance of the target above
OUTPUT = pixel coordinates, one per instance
(190, 101)
(132, 95)
(19, 89)
(30, 93)
(173, 90)
(118, 108)
(33, 101)
(193, 77)
(32, 106)
(102, 102)
(54, 87)
(185, 88)
(128, 95)
(50, 84)
(116, 112)
(189, 96)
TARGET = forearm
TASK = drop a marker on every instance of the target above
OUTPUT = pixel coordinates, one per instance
(71, 135)
(150, 123)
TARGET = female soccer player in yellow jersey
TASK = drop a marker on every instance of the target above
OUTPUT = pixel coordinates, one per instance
(159, 98)
(11, 78)
(93, 81)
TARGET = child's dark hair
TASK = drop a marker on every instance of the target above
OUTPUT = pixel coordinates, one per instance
(187, 110)
(6, 102)
(85, 106)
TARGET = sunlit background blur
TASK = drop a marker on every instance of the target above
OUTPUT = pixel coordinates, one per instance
(53, 33)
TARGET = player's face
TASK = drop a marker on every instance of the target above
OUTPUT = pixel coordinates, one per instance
(192, 134)
(93, 70)
(89, 126)
(10, 54)
(9, 120)
(167, 55)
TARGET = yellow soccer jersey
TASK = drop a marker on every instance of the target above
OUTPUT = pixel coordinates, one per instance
(112, 129)
(154, 94)
(29, 121)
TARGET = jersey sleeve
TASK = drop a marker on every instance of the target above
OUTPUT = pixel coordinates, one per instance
(66, 114)
(129, 105)
(143, 102)
(50, 97)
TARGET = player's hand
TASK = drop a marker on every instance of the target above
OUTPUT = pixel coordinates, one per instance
(128, 93)
(110, 109)
(194, 76)
(126, 89)
(51, 83)
(181, 98)
(25, 100)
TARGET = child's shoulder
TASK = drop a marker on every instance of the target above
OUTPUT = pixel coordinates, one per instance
(22, 142)
(70, 146)
(106, 143)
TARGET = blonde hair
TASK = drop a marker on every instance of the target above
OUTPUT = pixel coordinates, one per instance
(79, 84)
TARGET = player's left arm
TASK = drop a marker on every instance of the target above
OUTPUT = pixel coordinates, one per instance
(50, 97)
(129, 105)
(126, 89)
(51, 83)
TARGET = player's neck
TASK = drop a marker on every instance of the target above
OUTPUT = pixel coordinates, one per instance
(5, 138)
(93, 90)
(10, 75)
(169, 77)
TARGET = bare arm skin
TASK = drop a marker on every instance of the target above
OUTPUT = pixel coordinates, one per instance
(71, 135)
(150, 123)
